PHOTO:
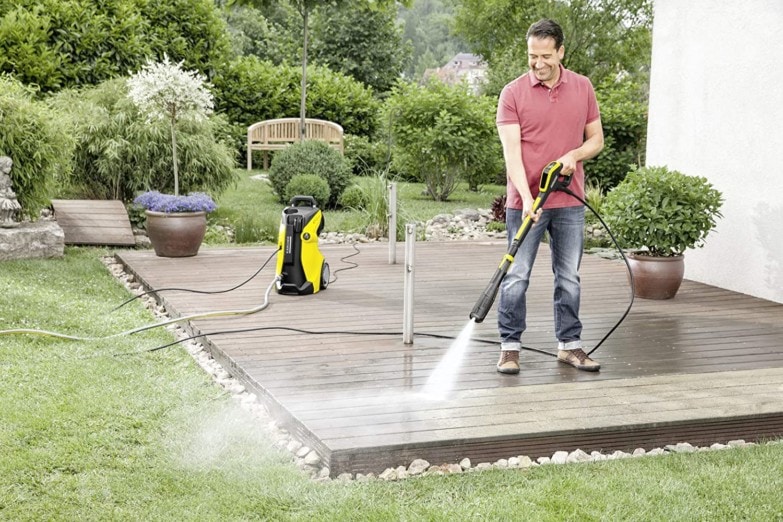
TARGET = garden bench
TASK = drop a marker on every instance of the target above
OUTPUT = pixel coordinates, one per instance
(280, 133)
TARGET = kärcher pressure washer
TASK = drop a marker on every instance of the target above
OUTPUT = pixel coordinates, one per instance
(551, 180)
(301, 269)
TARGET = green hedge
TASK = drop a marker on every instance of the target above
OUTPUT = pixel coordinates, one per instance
(64, 43)
(37, 139)
(249, 90)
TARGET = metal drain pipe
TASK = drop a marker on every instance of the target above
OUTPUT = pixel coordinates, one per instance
(407, 301)
(392, 216)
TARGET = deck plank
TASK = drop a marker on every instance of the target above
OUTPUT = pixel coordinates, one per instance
(93, 222)
(706, 365)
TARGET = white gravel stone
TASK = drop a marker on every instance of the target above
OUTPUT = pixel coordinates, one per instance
(465, 463)
(525, 461)
(312, 458)
(560, 457)
(501, 463)
(453, 468)
(388, 474)
(418, 466)
(577, 456)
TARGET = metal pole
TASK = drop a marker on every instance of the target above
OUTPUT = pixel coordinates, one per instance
(407, 313)
(392, 215)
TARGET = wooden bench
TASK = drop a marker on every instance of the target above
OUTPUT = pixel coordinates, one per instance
(280, 133)
(93, 222)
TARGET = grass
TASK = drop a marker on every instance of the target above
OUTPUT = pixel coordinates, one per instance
(107, 430)
(255, 210)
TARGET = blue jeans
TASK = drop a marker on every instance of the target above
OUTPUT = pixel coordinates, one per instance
(566, 239)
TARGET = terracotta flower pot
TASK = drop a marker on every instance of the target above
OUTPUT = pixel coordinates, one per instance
(176, 234)
(656, 277)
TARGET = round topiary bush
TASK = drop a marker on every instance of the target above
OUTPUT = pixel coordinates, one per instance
(308, 185)
(353, 197)
(310, 157)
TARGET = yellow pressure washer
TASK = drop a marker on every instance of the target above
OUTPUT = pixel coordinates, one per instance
(551, 180)
(301, 269)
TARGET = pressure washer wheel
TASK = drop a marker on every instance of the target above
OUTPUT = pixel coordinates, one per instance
(325, 274)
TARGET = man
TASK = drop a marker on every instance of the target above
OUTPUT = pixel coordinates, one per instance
(548, 114)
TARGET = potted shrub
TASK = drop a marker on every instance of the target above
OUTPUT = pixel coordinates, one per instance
(660, 213)
(175, 224)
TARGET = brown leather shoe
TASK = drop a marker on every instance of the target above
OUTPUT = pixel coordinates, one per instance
(509, 361)
(578, 359)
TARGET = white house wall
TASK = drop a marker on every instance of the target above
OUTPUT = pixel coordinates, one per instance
(716, 110)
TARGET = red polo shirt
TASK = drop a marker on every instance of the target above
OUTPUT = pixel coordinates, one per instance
(552, 122)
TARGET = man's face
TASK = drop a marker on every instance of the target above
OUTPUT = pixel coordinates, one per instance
(544, 59)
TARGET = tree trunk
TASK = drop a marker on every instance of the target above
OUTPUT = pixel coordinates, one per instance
(174, 153)
(304, 77)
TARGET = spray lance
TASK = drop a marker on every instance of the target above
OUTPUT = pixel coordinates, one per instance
(551, 180)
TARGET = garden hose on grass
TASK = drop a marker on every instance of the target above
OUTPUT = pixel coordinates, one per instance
(219, 313)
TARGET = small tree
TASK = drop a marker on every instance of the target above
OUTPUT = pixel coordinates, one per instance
(164, 90)
(443, 134)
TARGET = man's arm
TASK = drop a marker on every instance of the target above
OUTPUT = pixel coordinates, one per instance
(593, 144)
(510, 138)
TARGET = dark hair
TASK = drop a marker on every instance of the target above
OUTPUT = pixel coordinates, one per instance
(547, 28)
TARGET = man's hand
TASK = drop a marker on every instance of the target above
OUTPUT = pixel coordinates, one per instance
(568, 160)
(527, 209)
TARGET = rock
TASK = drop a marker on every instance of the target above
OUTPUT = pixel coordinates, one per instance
(418, 466)
(483, 465)
(312, 458)
(468, 214)
(293, 446)
(465, 463)
(639, 452)
(453, 468)
(542, 461)
(37, 240)
(302, 452)
(388, 474)
(577, 456)
(525, 461)
(501, 463)
(559, 457)
(680, 447)
(513, 462)
(344, 477)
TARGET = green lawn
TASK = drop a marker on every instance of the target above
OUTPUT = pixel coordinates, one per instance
(105, 430)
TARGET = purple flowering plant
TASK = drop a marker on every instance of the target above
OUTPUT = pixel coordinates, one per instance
(193, 202)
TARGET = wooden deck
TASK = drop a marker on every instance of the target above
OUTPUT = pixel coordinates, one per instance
(704, 367)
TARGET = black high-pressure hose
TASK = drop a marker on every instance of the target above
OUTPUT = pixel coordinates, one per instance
(550, 180)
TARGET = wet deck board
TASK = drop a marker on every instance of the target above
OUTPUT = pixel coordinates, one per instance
(706, 365)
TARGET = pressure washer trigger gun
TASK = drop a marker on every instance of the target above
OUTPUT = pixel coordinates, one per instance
(551, 180)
